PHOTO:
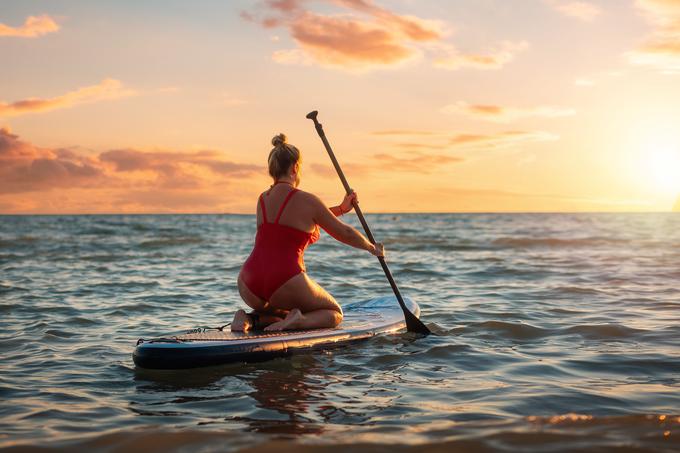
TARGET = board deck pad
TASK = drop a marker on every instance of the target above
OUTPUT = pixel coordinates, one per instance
(206, 347)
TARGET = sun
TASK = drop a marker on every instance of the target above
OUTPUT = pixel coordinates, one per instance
(652, 147)
(663, 167)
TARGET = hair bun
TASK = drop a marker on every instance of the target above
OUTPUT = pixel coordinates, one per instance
(279, 140)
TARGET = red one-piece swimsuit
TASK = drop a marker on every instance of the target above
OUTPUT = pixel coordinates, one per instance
(278, 254)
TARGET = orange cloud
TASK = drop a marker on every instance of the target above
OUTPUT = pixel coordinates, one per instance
(106, 90)
(500, 140)
(412, 27)
(360, 43)
(175, 169)
(502, 114)
(662, 48)
(285, 6)
(33, 27)
(404, 132)
(496, 58)
(584, 11)
(444, 141)
(417, 162)
(27, 168)
(350, 42)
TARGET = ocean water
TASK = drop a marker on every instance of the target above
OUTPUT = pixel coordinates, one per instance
(552, 332)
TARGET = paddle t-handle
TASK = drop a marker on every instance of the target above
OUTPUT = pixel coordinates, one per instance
(413, 324)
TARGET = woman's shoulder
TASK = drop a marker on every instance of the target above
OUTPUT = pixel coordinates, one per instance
(307, 197)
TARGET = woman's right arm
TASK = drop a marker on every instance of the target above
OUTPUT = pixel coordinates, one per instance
(341, 231)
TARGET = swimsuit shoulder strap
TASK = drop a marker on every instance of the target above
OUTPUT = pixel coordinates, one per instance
(264, 211)
(285, 202)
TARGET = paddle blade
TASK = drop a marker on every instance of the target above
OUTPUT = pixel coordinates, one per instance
(414, 324)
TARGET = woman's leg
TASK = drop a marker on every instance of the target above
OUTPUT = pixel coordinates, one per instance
(310, 306)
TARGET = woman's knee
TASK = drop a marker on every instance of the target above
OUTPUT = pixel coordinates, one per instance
(327, 301)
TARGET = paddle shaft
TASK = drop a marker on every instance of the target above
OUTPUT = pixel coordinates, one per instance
(413, 324)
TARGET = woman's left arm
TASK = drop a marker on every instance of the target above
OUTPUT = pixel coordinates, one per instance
(346, 205)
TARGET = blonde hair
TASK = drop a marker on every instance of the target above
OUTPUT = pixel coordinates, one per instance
(281, 157)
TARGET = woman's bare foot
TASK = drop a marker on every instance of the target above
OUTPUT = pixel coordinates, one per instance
(290, 322)
(241, 322)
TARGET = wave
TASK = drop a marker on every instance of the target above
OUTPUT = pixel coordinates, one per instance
(9, 288)
(604, 331)
(525, 242)
(56, 333)
(579, 290)
(103, 258)
(98, 232)
(522, 331)
(21, 240)
(559, 433)
(126, 285)
(128, 309)
(515, 331)
(172, 242)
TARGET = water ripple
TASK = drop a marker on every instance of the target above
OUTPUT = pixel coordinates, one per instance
(552, 332)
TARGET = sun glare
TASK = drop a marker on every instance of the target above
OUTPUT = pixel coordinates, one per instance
(663, 168)
(655, 145)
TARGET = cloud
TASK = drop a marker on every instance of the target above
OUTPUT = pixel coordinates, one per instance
(404, 132)
(176, 169)
(584, 11)
(168, 163)
(416, 162)
(33, 27)
(500, 139)
(366, 36)
(108, 89)
(412, 27)
(430, 140)
(25, 167)
(584, 82)
(662, 47)
(347, 42)
(292, 57)
(453, 59)
(497, 113)
(166, 200)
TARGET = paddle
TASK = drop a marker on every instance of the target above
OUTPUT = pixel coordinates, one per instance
(413, 324)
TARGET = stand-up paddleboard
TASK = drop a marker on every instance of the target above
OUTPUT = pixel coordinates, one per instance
(207, 347)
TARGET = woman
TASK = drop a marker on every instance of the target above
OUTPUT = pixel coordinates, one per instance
(273, 281)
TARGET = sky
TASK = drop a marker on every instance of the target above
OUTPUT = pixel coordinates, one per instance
(430, 105)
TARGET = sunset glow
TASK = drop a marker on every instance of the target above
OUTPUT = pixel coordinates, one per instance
(664, 168)
(430, 106)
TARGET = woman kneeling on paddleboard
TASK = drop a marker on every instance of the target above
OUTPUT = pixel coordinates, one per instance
(273, 281)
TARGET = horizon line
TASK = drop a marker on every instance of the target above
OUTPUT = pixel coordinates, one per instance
(371, 213)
